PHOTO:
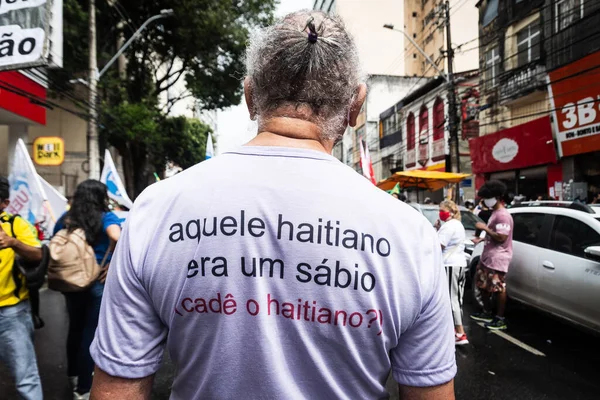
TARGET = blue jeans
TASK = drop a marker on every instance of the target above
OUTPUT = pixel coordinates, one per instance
(17, 351)
(84, 311)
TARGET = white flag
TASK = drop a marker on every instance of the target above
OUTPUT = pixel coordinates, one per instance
(56, 205)
(210, 150)
(27, 195)
(110, 177)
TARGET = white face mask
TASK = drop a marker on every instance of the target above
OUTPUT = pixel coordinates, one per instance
(490, 203)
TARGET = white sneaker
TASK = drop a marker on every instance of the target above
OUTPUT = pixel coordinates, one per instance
(77, 396)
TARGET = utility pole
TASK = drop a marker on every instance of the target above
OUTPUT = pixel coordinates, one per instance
(93, 145)
(452, 104)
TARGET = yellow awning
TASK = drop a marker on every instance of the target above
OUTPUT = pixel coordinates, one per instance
(419, 179)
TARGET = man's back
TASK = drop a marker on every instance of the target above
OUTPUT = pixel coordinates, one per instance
(277, 273)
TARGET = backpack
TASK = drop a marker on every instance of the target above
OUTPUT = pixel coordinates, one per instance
(73, 266)
(34, 272)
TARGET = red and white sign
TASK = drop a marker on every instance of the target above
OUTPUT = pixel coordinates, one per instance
(522, 146)
(576, 101)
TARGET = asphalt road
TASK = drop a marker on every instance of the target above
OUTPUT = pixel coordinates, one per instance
(540, 358)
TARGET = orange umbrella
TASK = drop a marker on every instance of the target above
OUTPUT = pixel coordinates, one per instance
(420, 179)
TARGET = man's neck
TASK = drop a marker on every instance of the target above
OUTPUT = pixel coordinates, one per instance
(291, 132)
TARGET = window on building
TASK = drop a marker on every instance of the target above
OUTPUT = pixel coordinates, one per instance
(423, 123)
(410, 131)
(414, 55)
(492, 68)
(567, 12)
(490, 13)
(528, 44)
(389, 125)
(438, 119)
(360, 132)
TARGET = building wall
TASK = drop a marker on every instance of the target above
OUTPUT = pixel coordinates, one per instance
(63, 124)
(365, 20)
(424, 22)
(383, 91)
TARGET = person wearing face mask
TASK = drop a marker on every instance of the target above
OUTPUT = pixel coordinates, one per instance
(496, 256)
(452, 238)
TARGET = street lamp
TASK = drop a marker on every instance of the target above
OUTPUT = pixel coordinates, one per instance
(163, 14)
(94, 147)
(442, 74)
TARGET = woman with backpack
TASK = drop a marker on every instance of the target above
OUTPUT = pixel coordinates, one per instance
(89, 214)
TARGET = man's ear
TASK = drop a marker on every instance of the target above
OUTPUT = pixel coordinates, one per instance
(249, 98)
(361, 95)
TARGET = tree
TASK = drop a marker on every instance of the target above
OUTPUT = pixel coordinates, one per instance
(203, 44)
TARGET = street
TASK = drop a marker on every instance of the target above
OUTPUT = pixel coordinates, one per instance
(492, 366)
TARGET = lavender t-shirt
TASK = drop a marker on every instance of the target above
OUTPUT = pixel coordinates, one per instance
(276, 273)
(497, 256)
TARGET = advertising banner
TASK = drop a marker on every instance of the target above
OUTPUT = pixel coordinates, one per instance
(24, 33)
(576, 100)
(522, 146)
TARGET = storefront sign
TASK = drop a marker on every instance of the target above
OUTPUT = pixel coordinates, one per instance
(505, 150)
(49, 151)
(24, 28)
(519, 147)
(576, 102)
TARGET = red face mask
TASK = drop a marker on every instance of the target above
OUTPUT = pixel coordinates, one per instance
(445, 215)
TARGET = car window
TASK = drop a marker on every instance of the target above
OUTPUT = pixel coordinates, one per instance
(527, 227)
(469, 220)
(572, 236)
(431, 214)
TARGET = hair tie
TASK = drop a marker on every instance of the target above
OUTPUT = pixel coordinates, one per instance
(312, 32)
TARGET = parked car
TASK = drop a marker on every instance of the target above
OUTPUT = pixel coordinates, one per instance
(556, 260)
(468, 219)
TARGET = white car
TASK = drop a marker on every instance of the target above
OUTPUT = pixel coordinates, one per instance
(556, 260)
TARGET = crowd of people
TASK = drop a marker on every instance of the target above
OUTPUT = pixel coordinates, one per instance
(19, 243)
(224, 304)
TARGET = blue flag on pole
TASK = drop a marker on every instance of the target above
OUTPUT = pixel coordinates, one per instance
(210, 150)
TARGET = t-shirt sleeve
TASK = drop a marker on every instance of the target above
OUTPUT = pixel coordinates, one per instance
(109, 219)
(425, 355)
(130, 338)
(26, 233)
(503, 224)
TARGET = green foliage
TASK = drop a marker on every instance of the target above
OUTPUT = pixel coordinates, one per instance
(183, 140)
(203, 43)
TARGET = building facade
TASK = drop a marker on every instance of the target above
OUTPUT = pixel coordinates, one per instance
(424, 22)
(419, 123)
(380, 50)
(382, 91)
(534, 55)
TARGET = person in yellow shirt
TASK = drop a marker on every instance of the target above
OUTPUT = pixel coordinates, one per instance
(17, 237)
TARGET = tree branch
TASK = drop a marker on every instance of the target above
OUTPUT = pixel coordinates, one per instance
(171, 82)
(171, 103)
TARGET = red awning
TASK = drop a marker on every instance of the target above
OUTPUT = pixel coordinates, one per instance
(519, 147)
(18, 96)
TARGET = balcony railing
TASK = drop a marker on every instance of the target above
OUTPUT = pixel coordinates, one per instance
(390, 140)
(411, 158)
(521, 81)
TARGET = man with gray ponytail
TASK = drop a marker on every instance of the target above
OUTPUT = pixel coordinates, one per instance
(294, 292)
